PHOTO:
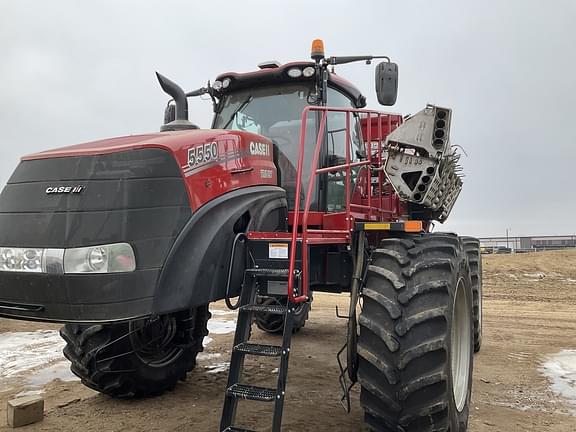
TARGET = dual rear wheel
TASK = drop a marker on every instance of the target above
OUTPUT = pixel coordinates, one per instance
(415, 345)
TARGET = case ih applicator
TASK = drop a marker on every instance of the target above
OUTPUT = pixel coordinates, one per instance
(296, 188)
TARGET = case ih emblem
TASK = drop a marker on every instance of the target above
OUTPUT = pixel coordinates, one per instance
(259, 149)
(64, 190)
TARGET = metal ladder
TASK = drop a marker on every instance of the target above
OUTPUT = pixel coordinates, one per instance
(243, 347)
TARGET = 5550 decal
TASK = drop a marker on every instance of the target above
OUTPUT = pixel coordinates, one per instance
(202, 153)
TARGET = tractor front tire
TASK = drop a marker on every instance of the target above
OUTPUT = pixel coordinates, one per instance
(472, 248)
(136, 359)
(415, 345)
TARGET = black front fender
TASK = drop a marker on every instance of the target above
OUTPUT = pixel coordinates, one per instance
(196, 269)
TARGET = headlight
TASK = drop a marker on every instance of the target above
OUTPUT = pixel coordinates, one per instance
(217, 85)
(294, 73)
(21, 260)
(308, 71)
(112, 258)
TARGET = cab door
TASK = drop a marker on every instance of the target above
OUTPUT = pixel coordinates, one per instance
(334, 152)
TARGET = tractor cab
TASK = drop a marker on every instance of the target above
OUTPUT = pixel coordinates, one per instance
(271, 102)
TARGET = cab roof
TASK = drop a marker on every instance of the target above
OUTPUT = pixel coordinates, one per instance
(279, 75)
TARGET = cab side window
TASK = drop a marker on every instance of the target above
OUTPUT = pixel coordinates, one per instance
(336, 148)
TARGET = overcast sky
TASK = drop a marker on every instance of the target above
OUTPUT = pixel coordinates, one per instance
(74, 71)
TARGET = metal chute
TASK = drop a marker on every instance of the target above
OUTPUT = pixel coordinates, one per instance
(422, 165)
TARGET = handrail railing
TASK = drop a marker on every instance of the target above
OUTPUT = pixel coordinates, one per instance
(347, 168)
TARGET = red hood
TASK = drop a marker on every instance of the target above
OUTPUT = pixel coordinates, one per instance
(240, 163)
(171, 141)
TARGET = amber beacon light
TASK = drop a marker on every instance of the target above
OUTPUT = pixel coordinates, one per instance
(317, 52)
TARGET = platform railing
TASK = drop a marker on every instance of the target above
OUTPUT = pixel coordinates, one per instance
(374, 149)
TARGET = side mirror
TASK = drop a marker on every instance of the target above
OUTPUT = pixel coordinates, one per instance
(387, 83)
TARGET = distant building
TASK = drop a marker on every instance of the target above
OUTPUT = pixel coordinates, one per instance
(529, 243)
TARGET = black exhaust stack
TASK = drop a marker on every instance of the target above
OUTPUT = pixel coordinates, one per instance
(180, 121)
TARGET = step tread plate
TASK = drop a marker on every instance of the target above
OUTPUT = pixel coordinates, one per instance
(277, 273)
(259, 349)
(271, 309)
(245, 391)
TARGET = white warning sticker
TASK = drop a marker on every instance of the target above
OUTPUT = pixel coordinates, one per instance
(278, 250)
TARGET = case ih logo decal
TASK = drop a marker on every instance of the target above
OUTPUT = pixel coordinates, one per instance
(259, 149)
(202, 154)
(64, 190)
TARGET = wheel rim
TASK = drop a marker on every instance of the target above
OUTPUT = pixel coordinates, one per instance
(461, 345)
(153, 340)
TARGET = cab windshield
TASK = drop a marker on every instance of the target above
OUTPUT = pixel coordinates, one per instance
(276, 113)
(261, 110)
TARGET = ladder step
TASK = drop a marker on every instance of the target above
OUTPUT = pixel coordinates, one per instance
(259, 349)
(244, 391)
(237, 429)
(271, 309)
(269, 273)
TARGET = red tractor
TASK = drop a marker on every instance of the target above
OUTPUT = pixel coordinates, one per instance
(296, 188)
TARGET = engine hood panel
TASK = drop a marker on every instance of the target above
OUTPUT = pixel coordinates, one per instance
(171, 141)
(212, 162)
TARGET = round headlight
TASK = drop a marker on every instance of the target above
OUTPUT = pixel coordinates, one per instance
(98, 259)
(8, 258)
(226, 82)
(308, 71)
(217, 85)
(294, 73)
(32, 259)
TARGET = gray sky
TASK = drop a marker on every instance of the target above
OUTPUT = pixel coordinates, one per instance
(75, 71)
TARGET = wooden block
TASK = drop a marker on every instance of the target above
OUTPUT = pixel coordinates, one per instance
(25, 410)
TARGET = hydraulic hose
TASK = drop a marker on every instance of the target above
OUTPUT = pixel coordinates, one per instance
(230, 267)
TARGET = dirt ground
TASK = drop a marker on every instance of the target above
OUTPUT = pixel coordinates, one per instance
(529, 315)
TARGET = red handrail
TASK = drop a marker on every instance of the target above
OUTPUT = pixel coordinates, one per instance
(314, 171)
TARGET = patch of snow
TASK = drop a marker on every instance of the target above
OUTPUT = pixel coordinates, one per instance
(218, 326)
(30, 393)
(60, 370)
(208, 356)
(218, 312)
(561, 370)
(217, 367)
(24, 351)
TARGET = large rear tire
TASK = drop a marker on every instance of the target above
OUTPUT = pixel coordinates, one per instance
(139, 358)
(472, 248)
(415, 345)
